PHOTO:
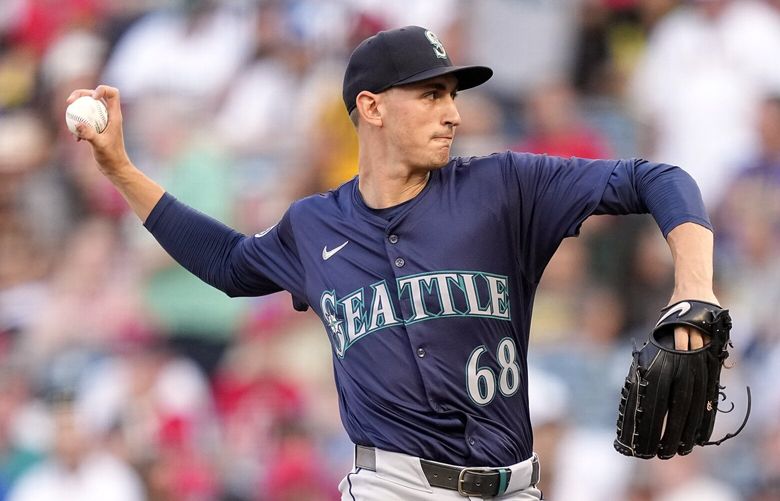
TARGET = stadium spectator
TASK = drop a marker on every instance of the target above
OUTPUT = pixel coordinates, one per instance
(77, 468)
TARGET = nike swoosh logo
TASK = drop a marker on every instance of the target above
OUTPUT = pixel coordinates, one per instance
(682, 308)
(327, 254)
(264, 232)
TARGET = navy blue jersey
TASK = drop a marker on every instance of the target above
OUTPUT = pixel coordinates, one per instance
(428, 312)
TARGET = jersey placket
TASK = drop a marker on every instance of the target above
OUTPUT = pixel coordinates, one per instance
(402, 267)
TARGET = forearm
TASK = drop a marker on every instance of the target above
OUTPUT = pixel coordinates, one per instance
(140, 192)
(108, 148)
(692, 251)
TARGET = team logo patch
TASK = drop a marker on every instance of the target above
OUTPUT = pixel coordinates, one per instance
(438, 47)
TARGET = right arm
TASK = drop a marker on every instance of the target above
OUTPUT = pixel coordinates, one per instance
(220, 256)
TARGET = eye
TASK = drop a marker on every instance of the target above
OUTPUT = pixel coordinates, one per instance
(434, 94)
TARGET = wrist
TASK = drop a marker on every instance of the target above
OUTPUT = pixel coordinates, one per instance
(698, 293)
(119, 170)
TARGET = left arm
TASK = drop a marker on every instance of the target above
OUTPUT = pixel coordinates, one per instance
(557, 195)
(674, 200)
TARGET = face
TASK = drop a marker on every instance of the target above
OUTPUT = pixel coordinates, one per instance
(420, 121)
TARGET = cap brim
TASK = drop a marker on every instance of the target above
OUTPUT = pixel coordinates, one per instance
(468, 76)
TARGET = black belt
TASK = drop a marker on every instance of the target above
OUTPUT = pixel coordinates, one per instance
(468, 481)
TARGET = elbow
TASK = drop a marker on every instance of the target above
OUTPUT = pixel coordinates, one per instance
(223, 273)
(647, 173)
(233, 292)
(672, 196)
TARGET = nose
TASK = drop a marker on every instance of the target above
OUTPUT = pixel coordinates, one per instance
(451, 116)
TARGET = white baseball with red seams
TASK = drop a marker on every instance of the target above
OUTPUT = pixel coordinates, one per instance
(89, 111)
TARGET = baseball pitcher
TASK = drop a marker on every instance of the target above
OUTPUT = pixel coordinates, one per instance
(423, 270)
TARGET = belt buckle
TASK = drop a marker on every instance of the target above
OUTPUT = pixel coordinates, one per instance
(461, 480)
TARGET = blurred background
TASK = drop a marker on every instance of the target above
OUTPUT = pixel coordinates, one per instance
(123, 378)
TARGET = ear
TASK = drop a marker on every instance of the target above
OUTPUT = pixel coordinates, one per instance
(368, 108)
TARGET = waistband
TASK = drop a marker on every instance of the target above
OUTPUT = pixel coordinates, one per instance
(467, 481)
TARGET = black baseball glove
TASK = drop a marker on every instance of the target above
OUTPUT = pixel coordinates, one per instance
(670, 397)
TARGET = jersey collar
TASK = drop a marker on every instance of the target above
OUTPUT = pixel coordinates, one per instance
(370, 216)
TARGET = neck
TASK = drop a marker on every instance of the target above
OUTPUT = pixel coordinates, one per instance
(382, 188)
(385, 177)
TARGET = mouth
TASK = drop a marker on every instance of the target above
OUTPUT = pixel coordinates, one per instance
(443, 138)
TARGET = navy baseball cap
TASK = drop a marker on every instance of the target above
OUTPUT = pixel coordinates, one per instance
(403, 56)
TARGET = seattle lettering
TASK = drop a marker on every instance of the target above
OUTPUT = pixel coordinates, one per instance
(420, 297)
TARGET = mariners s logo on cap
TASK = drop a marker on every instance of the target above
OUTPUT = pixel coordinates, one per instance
(438, 47)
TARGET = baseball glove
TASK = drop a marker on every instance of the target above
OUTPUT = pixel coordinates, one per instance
(670, 397)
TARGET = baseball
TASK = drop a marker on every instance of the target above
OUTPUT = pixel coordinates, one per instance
(88, 111)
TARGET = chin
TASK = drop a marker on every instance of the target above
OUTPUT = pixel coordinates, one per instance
(441, 159)
(433, 160)
(436, 164)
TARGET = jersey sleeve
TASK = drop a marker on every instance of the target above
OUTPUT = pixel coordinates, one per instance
(556, 195)
(666, 191)
(236, 264)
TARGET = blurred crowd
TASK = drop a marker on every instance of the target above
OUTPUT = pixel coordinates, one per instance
(124, 378)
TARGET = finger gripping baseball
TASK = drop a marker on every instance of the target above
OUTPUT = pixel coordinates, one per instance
(670, 397)
(88, 111)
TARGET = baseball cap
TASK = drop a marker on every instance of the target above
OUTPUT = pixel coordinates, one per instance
(403, 56)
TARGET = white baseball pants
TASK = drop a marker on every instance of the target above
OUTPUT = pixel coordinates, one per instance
(399, 477)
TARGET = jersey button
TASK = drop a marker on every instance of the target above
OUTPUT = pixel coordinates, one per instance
(393, 239)
(399, 263)
(472, 441)
(420, 352)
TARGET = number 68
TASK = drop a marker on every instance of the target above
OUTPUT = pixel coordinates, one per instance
(481, 381)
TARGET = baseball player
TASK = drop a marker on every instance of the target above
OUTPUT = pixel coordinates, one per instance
(423, 269)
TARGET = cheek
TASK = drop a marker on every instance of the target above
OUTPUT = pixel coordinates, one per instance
(408, 133)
